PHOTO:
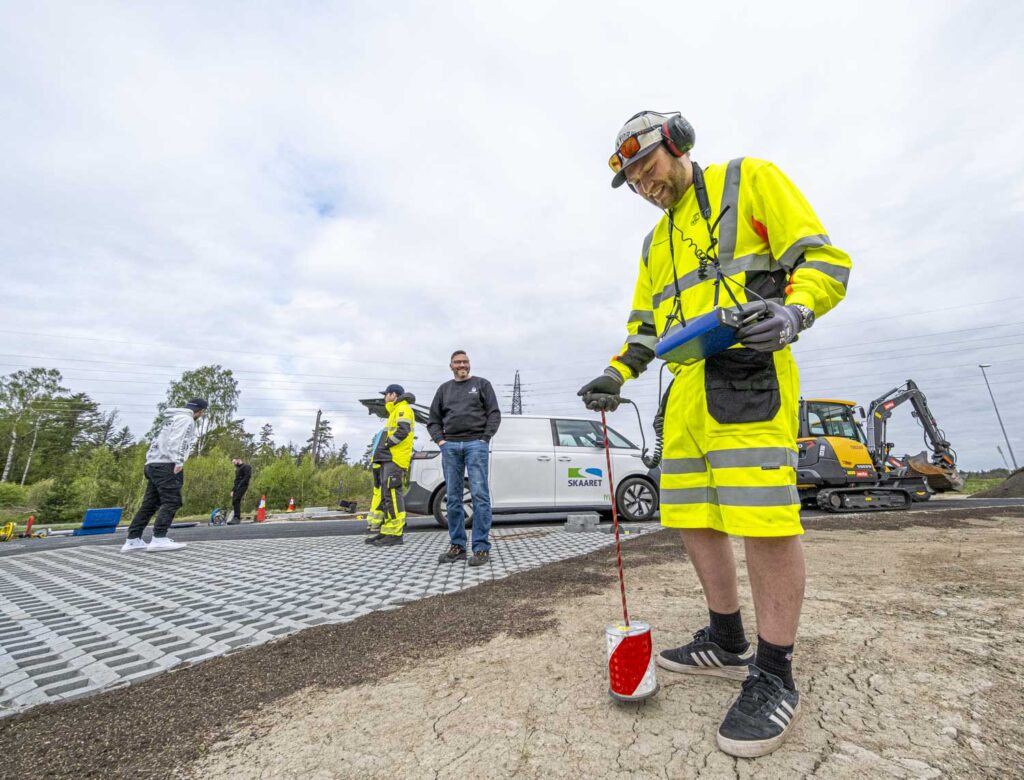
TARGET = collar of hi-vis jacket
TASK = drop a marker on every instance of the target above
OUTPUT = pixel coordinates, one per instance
(407, 398)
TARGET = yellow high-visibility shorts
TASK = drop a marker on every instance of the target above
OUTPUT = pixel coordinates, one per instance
(731, 423)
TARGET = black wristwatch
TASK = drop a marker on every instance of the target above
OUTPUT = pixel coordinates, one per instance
(806, 315)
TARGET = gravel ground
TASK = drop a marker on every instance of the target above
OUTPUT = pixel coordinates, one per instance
(906, 659)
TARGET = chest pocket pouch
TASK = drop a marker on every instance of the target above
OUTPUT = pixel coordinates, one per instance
(741, 386)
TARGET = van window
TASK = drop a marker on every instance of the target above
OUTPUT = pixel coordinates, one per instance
(577, 433)
(615, 439)
(523, 433)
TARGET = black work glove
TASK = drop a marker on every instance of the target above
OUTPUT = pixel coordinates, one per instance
(773, 332)
(602, 394)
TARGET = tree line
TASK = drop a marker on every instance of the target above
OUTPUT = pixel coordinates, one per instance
(62, 455)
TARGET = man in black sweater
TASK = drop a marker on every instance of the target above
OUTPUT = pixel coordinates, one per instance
(243, 473)
(463, 418)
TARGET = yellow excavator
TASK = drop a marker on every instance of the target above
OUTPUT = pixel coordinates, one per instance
(842, 469)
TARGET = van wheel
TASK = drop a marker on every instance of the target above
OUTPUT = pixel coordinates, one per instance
(440, 507)
(637, 500)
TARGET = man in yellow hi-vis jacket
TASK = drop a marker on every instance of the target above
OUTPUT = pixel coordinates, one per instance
(394, 453)
(731, 234)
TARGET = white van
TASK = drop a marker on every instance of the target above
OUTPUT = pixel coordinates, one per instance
(544, 464)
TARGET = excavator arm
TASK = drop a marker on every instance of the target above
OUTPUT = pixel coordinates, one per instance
(940, 470)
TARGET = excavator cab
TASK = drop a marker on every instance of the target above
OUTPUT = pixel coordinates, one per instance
(832, 448)
(831, 418)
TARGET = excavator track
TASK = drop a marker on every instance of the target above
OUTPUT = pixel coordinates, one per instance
(870, 499)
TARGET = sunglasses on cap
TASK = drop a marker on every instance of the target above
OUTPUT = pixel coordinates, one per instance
(629, 148)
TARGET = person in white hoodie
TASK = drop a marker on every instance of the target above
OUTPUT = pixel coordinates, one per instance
(165, 460)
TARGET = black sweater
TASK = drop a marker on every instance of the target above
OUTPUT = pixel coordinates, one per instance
(243, 473)
(463, 411)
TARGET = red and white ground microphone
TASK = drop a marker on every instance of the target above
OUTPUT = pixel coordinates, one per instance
(631, 675)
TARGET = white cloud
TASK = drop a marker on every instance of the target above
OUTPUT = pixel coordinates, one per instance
(351, 183)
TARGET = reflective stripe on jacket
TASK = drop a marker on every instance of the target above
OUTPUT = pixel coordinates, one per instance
(769, 239)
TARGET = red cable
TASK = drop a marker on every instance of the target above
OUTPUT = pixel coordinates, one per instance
(615, 520)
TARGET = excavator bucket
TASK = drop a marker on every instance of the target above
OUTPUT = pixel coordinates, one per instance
(939, 478)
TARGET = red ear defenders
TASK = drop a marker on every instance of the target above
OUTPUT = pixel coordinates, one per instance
(677, 135)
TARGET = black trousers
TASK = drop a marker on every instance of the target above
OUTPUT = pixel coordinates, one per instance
(163, 498)
(236, 502)
(392, 499)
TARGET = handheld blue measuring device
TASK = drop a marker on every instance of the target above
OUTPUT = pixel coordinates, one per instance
(709, 333)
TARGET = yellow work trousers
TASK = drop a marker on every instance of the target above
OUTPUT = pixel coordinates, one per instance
(730, 457)
(375, 516)
(392, 500)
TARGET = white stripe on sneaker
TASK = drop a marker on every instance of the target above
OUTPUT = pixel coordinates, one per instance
(714, 658)
(781, 713)
(697, 660)
(777, 722)
(789, 709)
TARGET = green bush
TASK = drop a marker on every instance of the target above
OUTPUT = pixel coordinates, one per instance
(344, 482)
(97, 484)
(13, 495)
(282, 480)
(38, 492)
(208, 481)
(62, 503)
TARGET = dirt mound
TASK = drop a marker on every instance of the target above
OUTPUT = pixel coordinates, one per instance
(1011, 487)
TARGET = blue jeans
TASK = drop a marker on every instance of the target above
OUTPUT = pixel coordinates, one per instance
(458, 458)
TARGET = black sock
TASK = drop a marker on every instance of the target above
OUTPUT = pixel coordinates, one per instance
(776, 660)
(727, 631)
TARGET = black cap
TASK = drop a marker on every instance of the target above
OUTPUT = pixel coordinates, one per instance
(393, 389)
(197, 404)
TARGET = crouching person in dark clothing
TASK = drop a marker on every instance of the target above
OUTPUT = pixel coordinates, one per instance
(243, 473)
(165, 460)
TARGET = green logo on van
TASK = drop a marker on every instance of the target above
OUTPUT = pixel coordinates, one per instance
(591, 477)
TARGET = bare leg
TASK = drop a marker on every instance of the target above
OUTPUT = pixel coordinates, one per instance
(711, 554)
(776, 569)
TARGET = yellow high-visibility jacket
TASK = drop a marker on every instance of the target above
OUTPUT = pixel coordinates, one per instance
(768, 239)
(396, 444)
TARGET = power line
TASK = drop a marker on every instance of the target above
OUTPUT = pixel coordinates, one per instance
(193, 367)
(193, 348)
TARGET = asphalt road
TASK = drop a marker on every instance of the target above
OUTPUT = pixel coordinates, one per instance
(300, 528)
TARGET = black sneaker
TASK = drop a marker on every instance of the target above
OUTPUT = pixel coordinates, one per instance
(702, 656)
(761, 718)
(388, 540)
(480, 557)
(455, 553)
(373, 539)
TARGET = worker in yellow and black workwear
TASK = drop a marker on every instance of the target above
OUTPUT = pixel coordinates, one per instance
(394, 453)
(730, 234)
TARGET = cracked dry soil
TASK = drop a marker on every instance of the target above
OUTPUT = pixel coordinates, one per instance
(907, 661)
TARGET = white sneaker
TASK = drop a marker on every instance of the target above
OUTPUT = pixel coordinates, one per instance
(134, 545)
(162, 543)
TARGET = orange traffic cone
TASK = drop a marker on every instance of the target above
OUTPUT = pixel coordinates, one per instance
(261, 510)
(291, 504)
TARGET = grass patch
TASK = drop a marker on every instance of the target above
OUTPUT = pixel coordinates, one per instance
(977, 484)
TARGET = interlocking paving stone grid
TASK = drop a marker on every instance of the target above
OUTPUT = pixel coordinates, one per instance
(76, 621)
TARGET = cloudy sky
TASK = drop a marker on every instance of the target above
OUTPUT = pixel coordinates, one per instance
(327, 197)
